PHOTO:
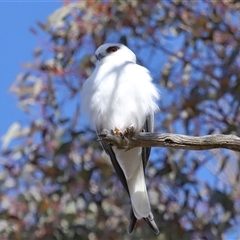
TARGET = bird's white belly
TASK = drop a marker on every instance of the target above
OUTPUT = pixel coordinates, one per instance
(118, 98)
(120, 112)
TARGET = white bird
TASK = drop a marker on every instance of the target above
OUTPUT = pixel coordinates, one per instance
(117, 96)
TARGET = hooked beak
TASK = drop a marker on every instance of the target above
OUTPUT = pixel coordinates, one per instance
(100, 56)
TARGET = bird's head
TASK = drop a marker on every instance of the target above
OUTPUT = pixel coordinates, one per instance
(108, 51)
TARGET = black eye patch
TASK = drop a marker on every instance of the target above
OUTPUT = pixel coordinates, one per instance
(112, 49)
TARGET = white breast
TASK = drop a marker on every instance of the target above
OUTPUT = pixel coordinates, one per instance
(119, 96)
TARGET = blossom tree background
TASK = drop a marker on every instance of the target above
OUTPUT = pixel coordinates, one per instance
(56, 183)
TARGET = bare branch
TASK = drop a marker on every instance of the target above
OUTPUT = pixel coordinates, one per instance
(170, 140)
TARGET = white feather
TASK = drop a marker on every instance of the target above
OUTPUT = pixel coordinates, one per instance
(117, 95)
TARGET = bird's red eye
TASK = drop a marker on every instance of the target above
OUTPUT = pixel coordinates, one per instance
(112, 49)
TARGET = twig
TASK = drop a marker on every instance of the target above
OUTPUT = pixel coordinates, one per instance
(170, 140)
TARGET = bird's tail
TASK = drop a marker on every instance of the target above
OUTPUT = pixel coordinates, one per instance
(131, 175)
(138, 193)
(151, 223)
(140, 201)
(149, 220)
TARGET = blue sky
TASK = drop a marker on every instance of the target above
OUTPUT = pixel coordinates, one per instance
(16, 46)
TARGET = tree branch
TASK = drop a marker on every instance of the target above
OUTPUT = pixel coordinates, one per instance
(170, 140)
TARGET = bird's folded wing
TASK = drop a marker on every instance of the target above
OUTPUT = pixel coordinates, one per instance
(108, 149)
(148, 127)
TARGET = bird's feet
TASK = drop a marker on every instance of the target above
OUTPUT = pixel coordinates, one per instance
(117, 132)
(128, 132)
(126, 135)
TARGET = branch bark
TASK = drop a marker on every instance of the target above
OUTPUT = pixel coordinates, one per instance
(170, 140)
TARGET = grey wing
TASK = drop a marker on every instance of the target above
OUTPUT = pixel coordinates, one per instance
(147, 127)
(108, 149)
